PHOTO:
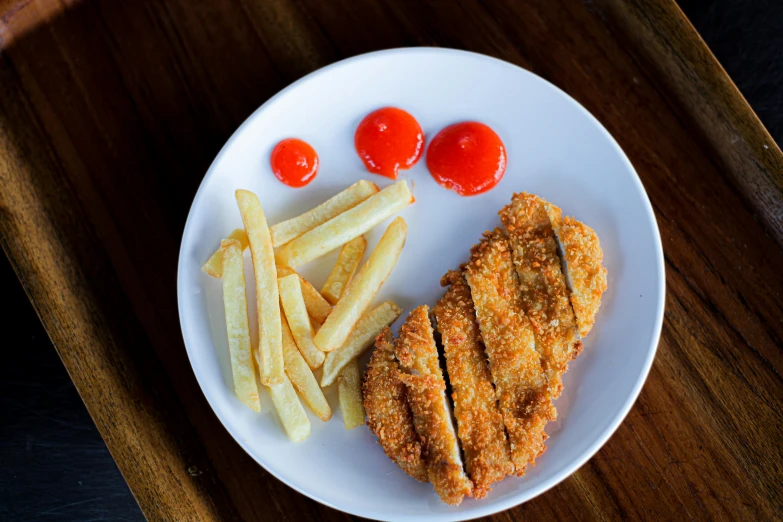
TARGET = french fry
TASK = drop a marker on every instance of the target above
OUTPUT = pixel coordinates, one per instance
(237, 326)
(286, 231)
(362, 337)
(270, 341)
(317, 307)
(362, 288)
(315, 324)
(349, 389)
(289, 409)
(298, 320)
(302, 377)
(214, 265)
(347, 263)
(346, 226)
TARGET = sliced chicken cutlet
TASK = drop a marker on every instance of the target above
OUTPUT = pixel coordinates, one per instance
(479, 422)
(585, 272)
(418, 356)
(515, 365)
(542, 285)
(389, 416)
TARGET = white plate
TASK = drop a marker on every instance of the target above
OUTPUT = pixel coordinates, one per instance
(555, 149)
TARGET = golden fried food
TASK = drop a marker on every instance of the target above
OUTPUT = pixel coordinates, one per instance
(479, 422)
(515, 365)
(415, 349)
(349, 391)
(237, 324)
(301, 376)
(362, 288)
(584, 269)
(291, 229)
(293, 308)
(347, 262)
(318, 308)
(289, 408)
(214, 265)
(510, 322)
(542, 286)
(388, 414)
(346, 226)
(362, 336)
(270, 336)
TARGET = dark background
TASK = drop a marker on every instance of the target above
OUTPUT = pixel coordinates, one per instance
(53, 463)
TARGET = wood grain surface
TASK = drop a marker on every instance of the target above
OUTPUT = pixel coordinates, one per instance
(707, 101)
(112, 111)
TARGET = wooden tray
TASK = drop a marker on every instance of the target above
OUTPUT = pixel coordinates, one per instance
(111, 112)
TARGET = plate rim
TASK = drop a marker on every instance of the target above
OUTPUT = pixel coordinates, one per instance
(565, 471)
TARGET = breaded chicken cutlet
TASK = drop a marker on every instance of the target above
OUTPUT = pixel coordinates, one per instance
(510, 323)
(418, 356)
(388, 413)
(542, 285)
(479, 422)
(515, 365)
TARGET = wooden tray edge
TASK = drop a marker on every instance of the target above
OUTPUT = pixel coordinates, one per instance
(62, 267)
(662, 37)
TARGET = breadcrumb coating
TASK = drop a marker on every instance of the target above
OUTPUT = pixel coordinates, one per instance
(585, 271)
(542, 285)
(388, 413)
(510, 323)
(418, 356)
(479, 422)
(515, 365)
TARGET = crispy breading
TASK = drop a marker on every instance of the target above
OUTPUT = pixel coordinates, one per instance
(515, 365)
(542, 286)
(479, 422)
(415, 349)
(585, 272)
(388, 414)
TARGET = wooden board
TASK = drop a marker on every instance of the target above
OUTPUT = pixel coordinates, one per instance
(111, 112)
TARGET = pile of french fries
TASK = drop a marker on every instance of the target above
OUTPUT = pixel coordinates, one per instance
(303, 331)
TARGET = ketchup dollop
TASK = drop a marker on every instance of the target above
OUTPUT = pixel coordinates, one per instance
(468, 158)
(387, 140)
(294, 162)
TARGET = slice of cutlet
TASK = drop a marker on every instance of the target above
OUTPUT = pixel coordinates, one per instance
(515, 365)
(542, 285)
(388, 414)
(479, 422)
(418, 356)
(585, 273)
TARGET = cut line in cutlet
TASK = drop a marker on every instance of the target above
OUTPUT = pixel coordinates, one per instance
(583, 262)
(542, 285)
(388, 414)
(479, 421)
(415, 349)
(514, 363)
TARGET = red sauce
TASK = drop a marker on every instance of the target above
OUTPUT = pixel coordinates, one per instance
(467, 157)
(387, 140)
(294, 162)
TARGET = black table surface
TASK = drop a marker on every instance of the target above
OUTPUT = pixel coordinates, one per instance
(53, 463)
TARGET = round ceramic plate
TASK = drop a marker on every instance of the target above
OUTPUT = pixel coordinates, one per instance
(556, 149)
